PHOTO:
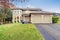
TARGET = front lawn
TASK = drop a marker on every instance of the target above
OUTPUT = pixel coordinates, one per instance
(58, 21)
(19, 31)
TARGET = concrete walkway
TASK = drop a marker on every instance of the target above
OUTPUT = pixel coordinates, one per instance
(49, 31)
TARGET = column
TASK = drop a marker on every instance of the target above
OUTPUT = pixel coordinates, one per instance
(19, 18)
(16, 19)
(13, 18)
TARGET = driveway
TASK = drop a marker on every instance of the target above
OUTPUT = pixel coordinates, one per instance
(49, 31)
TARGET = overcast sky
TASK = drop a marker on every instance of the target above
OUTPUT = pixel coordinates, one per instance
(47, 5)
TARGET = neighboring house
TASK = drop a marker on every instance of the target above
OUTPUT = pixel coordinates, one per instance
(32, 15)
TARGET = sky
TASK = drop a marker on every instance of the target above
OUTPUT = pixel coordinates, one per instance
(46, 5)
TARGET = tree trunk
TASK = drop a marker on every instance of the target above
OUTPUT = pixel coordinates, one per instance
(4, 20)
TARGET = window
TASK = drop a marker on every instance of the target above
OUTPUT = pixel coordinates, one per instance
(18, 11)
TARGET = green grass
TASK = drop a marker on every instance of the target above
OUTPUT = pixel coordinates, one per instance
(58, 21)
(19, 31)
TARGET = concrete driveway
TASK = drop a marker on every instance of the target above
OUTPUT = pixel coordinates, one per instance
(49, 31)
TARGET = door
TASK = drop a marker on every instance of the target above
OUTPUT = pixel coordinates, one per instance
(36, 19)
(47, 19)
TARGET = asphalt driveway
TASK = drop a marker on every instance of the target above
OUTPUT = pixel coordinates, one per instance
(49, 31)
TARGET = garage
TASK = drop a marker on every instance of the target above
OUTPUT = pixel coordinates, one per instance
(41, 18)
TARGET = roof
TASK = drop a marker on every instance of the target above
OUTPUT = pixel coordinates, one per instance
(40, 12)
(34, 10)
(37, 12)
(43, 12)
(30, 9)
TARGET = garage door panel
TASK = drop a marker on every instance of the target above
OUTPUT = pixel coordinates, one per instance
(36, 18)
(47, 19)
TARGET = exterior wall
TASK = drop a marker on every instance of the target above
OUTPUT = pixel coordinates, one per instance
(16, 15)
(26, 19)
(39, 18)
(26, 12)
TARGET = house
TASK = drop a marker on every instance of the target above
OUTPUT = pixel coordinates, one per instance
(32, 15)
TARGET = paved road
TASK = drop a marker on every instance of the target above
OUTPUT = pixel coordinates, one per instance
(49, 31)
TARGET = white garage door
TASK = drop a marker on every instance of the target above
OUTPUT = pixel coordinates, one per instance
(41, 19)
(36, 18)
(47, 19)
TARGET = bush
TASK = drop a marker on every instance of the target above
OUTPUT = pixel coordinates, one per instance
(55, 19)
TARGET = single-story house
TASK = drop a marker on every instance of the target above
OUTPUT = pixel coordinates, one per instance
(32, 15)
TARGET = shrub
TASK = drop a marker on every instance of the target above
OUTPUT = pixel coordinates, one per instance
(55, 19)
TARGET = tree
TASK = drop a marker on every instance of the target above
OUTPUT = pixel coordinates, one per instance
(9, 15)
(8, 3)
(5, 13)
(1, 16)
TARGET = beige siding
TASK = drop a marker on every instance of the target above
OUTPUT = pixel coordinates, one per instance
(26, 19)
(37, 18)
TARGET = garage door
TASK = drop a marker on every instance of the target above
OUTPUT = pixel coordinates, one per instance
(47, 19)
(36, 19)
(41, 19)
